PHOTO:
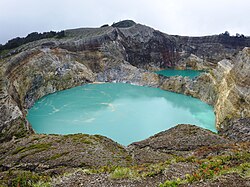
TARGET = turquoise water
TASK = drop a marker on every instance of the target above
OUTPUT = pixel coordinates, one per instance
(183, 73)
(122, 112)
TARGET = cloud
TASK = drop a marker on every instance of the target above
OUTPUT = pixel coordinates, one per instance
(193, 17)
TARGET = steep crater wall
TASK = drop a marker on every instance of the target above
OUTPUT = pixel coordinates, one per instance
(122, 55)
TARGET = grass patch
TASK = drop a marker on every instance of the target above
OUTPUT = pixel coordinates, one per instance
(121, 173)
(36, 138)
(39, 147)
(42, 184)
(214, 167)
(22, 132)
(58, 155)
(153, 169)
(19, 149)
(81, 138)
(243, 170)
(133, 172)
(25, 179)
(172, 183)
(86, 141)
(99, 137)
(4, 52)
(207, 169)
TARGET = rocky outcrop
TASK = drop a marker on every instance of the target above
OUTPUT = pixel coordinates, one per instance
(236, 129)
(29, 76)
(53, 153)
(163, 51)
(179, 140)
(234, 89)
(181, 155)
(202, 87)
(124, 24)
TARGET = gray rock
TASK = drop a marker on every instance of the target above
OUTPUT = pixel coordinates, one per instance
(237, 130)
(181, 138)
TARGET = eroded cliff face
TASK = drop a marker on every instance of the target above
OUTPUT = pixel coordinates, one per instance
(34, 73)
(123, 55)
(234, 89)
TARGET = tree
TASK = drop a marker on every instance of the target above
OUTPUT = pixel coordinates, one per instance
(242, 36)
(226, 33)
(60, 34)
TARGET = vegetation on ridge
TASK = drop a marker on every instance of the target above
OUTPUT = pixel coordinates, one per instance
(205, 170)
(124, 24)
(16, 42)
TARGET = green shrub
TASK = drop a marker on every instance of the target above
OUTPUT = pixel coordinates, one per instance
(121, 173)
(124, 24)
(29, 179)
(39, 147)
(171, 183)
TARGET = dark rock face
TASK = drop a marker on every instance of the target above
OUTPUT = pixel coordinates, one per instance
(35, 85)
(237, 130)
(151, 48)
(214, 48)
(147, 48)
(181, 138)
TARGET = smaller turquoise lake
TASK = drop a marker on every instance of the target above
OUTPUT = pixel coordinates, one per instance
(123, 112)
(184, 73)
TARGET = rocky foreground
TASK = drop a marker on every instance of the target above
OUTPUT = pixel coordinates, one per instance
(185, 155)
(182, 156)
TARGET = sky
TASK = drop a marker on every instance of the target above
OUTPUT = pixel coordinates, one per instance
(180, 17)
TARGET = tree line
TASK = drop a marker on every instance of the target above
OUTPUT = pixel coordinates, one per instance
(18, 41)
(237, 35)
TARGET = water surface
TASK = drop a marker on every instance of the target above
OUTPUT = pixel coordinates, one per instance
(123, 112)
(184, 73)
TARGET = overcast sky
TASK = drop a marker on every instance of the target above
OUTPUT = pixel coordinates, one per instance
(183, 17)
